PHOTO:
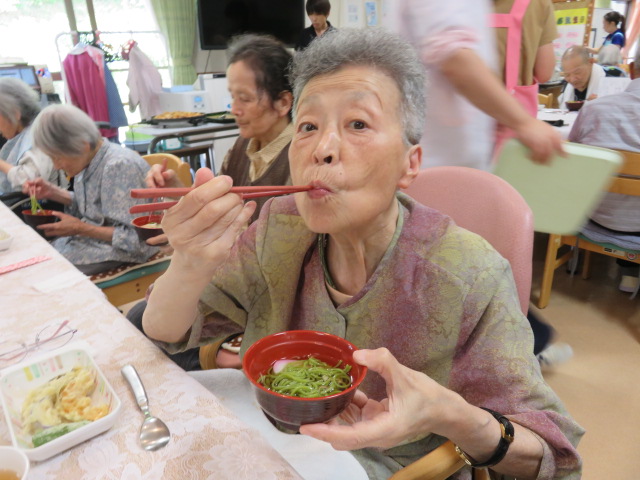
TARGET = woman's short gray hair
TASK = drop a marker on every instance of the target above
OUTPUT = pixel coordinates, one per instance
(19, 103)
(370, 47)
(64, 130)
(609, 55)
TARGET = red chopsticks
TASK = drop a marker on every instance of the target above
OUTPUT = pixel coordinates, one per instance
(246, 192)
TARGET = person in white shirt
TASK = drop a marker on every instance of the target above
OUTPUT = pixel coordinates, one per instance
(613, 122)
(582, 76)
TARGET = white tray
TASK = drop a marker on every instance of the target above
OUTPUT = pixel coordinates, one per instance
(18, 380)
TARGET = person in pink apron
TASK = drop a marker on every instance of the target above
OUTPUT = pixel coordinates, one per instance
(525, 62)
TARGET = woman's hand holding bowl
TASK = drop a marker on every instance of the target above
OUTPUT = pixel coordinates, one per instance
(204, 225)
(415, 406)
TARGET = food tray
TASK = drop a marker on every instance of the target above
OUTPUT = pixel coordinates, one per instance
(18, 380)
(562, 194)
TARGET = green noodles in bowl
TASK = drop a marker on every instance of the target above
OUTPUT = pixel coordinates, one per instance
(302, 349)
(309, 378)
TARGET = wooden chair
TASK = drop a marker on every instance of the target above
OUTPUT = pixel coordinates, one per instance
(488, 206)
(182, 169)
(546, 100)
(627, 182)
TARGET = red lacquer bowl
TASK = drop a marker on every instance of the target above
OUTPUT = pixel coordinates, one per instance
(287, 412)
(44, 216)
(145, 233)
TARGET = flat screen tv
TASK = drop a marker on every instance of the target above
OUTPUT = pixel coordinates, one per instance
(219, 20)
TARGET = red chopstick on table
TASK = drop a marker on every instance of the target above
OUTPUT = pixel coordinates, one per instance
(246, 192)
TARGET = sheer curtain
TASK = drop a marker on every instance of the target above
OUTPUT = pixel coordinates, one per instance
(177, 20)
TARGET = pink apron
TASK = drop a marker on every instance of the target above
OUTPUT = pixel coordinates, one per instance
(526, 95)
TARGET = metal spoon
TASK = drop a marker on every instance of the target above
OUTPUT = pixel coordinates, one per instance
(154, 434)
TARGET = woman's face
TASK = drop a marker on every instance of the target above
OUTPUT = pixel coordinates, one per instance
(8, 129)
(609, 27)
(255, 114)
(348, 142)
(73, 165)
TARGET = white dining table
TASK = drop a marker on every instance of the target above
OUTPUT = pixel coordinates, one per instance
(208, 441)
(553, 114)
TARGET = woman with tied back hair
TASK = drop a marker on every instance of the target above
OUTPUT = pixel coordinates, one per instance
(261, 101)
(433, 307)
(95, 232)
(615, 34)
(19, 162)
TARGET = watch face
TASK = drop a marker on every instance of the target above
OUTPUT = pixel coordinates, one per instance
(234, 344)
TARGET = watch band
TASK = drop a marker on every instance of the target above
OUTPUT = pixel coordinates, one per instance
(506, 438)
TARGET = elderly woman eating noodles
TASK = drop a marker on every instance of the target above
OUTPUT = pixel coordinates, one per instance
(356, 258)
(95, 232)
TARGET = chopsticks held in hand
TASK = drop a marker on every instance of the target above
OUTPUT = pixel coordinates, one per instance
(246, 192)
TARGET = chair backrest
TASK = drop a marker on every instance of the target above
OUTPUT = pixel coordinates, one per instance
(546, 100)
(627, 180)
(182, 169)
(488, 206)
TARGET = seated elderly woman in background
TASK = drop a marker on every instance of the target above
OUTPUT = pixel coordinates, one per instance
(95, 232)
(19, 162)
(356, 258)
(261, 100)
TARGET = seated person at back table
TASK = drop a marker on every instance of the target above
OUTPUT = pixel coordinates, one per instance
(582, 75)
(356, 258)
(261, 100)
(614, 122)
(95, 232)
(19, 162)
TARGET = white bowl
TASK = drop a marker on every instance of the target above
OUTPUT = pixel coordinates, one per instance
(18, 380)
(5, 240)
(14, 460)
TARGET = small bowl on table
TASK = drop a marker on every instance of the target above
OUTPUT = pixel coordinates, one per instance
(5, 240)
(288, 412)
(40, 218)
(574, 106)
(13, 461)
(148, 226)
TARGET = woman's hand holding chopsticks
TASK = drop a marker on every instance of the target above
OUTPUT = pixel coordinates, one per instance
(203, 226)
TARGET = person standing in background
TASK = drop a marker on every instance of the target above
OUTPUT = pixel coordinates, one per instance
(318, 12)
(525, 30)
(463, 93)
(615, 35)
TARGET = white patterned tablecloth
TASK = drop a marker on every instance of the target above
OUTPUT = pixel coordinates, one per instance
(207, 440)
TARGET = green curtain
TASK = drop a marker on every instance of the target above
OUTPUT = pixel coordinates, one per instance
(177, 21)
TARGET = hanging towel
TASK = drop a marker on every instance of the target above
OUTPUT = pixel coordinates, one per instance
(144, 83)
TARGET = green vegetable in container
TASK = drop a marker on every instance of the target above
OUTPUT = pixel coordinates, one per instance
(51, 433)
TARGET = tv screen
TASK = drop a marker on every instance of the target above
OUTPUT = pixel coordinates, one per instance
(219, 20)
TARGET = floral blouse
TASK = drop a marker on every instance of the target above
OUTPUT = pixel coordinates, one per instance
(442, 300)
(101, 197)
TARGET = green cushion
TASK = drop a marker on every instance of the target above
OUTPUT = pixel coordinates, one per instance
(607, 245)
(135, 274)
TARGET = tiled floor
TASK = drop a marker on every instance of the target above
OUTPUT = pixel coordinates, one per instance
(601, 385)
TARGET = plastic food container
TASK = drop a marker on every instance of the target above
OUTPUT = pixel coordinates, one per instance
(18, 380)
